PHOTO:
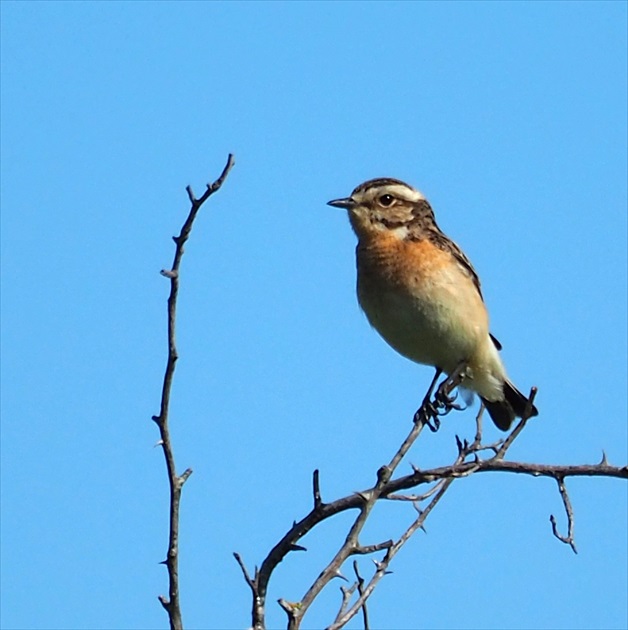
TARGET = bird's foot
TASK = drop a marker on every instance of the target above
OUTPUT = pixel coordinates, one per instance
(428, 415)
(444, 401)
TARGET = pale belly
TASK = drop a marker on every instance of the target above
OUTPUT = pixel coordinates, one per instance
(442, 328)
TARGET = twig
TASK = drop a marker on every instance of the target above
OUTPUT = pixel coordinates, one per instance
(522, 423)
(171, 603)
(569, 539)
(360, 584)
(367, 549)
(245, 573)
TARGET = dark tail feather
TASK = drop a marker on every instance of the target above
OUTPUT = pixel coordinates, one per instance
(503, 412)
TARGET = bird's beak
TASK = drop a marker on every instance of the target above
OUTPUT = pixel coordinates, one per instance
(347, 203)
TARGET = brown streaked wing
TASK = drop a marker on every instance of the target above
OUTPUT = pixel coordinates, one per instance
(448, 245)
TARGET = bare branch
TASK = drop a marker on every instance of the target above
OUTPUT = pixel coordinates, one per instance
(468, 461)
(172, 604)
(500, 465)
(429, 411)
(464, 449)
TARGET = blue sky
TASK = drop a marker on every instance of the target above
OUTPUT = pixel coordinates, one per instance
(510, 117)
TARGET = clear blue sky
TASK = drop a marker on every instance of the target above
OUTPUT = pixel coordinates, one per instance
(510, 117)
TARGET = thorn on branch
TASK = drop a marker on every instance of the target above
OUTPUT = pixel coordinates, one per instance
(164, 602)
(338, 574)
(364, 495)
(381, 566)
(417, 507)
(169, 273)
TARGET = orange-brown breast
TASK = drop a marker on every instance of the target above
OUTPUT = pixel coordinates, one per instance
(400, 263)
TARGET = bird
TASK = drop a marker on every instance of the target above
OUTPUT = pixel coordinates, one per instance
(423, 296)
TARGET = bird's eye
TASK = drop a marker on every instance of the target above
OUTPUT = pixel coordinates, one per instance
(386, 200)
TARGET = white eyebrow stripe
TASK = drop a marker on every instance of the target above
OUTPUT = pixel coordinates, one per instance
(403, 192)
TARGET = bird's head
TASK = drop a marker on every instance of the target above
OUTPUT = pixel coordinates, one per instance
(383, 204)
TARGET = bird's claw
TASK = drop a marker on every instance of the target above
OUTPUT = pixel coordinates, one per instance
(444, 401)
(429, 415)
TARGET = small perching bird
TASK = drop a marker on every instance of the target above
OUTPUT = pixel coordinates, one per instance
(423, 296)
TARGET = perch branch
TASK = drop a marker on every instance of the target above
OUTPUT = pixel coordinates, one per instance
(468, 461)
(464, 450)
(429, 411)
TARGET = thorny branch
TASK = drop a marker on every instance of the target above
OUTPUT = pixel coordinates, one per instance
(429, 410)
(171, 603)
(467, 462)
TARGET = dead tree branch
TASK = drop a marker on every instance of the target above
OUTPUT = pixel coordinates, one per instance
(171, 603)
